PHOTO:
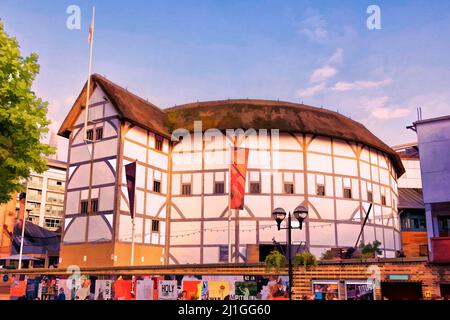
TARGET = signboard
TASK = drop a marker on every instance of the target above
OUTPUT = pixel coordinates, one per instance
(167, 290)
(399, 277)
(359, 290)
(326, 290)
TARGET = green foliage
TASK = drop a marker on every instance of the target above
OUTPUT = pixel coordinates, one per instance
(327, 255)
(23, 118)
(275, 260)
(305, 259)
(370, 250)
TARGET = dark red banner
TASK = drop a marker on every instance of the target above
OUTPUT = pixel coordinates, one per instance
(238, 172)
(130, 173)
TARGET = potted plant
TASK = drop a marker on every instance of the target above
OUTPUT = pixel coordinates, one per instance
(275, 260)
(306, 260)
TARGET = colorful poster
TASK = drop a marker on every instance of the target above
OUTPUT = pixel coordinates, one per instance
(326, 290)
(64, 289)
(273, 288)
(32, 289)
(167, 290)
(192, 290)
(218, 290)
(359, 291)
(17, 289)
(144, 289)
(83, 292)
(122, 290)
(46, 290)
(103, 290)
(245, 290)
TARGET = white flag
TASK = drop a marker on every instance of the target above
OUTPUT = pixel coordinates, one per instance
(91, 31)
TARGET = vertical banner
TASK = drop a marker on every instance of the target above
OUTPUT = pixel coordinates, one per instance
(192, 290)
(167, 290)
(238, 172)
(17, 289)
(218, 290)
(103, 289)
(122, 290)
(130, 174)
(144, 289)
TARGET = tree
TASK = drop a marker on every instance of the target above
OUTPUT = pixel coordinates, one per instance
(23, 118)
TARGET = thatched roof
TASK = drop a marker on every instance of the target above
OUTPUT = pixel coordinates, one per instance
(226, 114)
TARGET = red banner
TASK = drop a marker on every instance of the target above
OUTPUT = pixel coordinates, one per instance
(238, 172)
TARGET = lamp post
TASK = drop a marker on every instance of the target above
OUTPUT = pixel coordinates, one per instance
(279, 214)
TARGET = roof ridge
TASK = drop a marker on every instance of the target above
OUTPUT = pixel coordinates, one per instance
(102, 78)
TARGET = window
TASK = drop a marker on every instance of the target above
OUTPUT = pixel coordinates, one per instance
(320, 190)
(255, 187)
(51, 210)
(186, 189)
(369, 196)
(158, 143)
(52, 223)
(99, 134)
(288, 187)
(347, 193)
(155, 226)
(223, 254)
(90, 135)
(94, 205)
(219, 187)
(413, 220)
(157, 186)
(383, 200)
(55, 184)
(55, 197)
(84, 206)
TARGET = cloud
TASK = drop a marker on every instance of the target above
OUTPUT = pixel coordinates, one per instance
(336, 58)
(361, 85)
(313, 26)
(311, 91)
(372, 103)
(390, 113)
(321, 74)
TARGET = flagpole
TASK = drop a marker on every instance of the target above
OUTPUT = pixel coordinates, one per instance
(91, 40)
(132, 221)
(229, 201)
(132, 242)
(229, 214)
(21, 242)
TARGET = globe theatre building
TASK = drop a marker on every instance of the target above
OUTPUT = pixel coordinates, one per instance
(297, 154)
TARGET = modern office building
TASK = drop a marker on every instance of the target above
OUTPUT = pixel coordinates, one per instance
(45, 196)
(298, 155)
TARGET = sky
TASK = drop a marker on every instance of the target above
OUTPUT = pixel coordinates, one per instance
(320, 53)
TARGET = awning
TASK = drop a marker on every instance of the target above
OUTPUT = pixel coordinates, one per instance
(410, 198)
(37, 240)
(16, 257)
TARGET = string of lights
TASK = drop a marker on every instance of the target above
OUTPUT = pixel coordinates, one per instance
(220, 229)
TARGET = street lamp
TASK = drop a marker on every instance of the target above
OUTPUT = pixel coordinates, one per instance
(279, 214)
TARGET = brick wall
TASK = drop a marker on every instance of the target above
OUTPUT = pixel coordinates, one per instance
(419, 270)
